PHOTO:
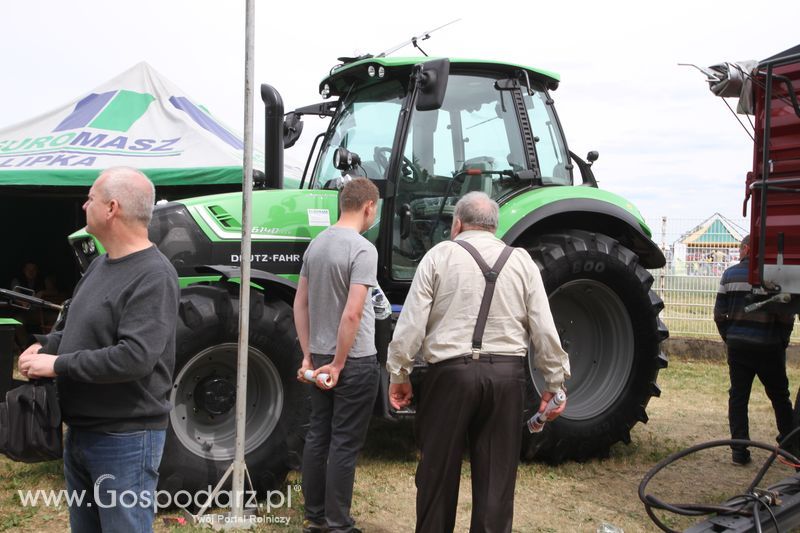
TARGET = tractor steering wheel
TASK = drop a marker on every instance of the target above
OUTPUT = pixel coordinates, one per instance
(409, 172)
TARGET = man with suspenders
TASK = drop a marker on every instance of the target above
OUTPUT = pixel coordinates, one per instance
(473, 325)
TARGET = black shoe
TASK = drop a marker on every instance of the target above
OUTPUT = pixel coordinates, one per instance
(312, 527)
(740, 458)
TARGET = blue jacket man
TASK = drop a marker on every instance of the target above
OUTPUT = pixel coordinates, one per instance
(756, 343)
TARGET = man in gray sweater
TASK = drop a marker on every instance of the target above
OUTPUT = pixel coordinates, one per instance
(113, 361)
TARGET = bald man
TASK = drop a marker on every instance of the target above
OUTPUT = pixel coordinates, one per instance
(113, 361)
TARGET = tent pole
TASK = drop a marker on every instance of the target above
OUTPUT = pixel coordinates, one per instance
(237, 519)
(239, 467)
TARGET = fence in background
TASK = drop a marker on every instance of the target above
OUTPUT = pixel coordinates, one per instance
(697, 252)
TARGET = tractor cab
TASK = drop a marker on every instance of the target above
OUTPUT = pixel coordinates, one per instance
(428, 133)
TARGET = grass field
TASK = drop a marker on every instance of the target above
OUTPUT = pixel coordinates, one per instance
(572, 497)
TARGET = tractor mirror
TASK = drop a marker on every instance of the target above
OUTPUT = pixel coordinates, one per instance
(292, 128)
(432, 83)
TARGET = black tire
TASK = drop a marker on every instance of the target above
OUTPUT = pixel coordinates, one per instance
(607, 318)
(201, 435)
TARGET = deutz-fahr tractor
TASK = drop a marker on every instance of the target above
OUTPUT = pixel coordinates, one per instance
(425, 131)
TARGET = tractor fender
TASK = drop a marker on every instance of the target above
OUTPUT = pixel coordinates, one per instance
(282, 287)
(593, 215)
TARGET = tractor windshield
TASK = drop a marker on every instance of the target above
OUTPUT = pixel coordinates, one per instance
(365, 126)
(472, 143)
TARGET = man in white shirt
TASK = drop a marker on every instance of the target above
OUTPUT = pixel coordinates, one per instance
(474, 389)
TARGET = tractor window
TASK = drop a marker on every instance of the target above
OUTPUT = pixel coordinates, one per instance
(476, 129)
(550, 149)
(366, 126)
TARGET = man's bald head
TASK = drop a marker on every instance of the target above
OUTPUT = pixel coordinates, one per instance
(476, 210)
(132, 190)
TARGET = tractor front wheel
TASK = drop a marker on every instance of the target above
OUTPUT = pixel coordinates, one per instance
(201, 436)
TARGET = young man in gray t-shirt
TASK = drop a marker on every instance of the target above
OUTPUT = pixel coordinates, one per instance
(335, 325)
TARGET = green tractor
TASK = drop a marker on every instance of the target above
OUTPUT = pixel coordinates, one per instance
(425, 131)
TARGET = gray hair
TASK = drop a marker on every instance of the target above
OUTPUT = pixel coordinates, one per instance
(745, 242)
(134, 192)
(476, 209)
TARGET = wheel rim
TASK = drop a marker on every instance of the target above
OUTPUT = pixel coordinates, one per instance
(207, 428)
(595, 329)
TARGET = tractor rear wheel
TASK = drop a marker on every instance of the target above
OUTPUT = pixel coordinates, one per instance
(201, 436)
(607, 318)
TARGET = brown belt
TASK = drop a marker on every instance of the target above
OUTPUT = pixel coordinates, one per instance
(486, 357)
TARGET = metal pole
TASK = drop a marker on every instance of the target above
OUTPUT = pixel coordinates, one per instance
(765, 169)
(239, 467)
(668, 267)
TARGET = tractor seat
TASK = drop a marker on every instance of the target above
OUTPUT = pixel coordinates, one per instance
(478, 182)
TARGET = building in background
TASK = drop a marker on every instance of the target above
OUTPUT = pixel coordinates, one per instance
(708, 248)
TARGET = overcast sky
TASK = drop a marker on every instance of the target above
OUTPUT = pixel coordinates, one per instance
(665, 142)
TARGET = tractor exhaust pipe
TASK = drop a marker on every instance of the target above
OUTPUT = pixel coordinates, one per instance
(273, 142)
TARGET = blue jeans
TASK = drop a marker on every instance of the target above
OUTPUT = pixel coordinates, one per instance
(117, 473)
(336, 433)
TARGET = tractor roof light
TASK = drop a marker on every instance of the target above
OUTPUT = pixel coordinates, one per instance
(326, 91)
(344, 159)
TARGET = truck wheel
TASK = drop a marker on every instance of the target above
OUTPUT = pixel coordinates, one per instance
(607, 318)
(201, 436)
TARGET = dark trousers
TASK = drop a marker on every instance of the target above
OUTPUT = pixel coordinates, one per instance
(769, 364)
(478, 404)
(337, 430)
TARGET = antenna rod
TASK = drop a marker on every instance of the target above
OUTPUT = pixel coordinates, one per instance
(421, 37)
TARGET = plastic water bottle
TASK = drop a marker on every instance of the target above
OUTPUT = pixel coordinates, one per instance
(322, 377)
(605, 527)
(383, 309)
(537, 421)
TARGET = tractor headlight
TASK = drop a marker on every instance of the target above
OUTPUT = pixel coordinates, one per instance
(88, 247)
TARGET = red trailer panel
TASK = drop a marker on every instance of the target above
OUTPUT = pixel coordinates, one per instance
(775, 216)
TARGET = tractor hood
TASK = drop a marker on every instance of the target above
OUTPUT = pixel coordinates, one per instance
(207, 230)
(278, 215)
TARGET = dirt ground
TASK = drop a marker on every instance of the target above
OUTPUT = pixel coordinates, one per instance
(572, 497)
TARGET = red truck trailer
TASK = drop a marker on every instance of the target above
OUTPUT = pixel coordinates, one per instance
(768, 91)
(773, 186)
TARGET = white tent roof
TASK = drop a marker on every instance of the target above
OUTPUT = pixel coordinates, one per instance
(137, 119)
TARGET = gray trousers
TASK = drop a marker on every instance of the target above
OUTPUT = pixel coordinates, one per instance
(338, 428)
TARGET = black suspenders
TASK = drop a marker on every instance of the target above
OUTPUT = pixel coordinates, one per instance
(490, 274)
